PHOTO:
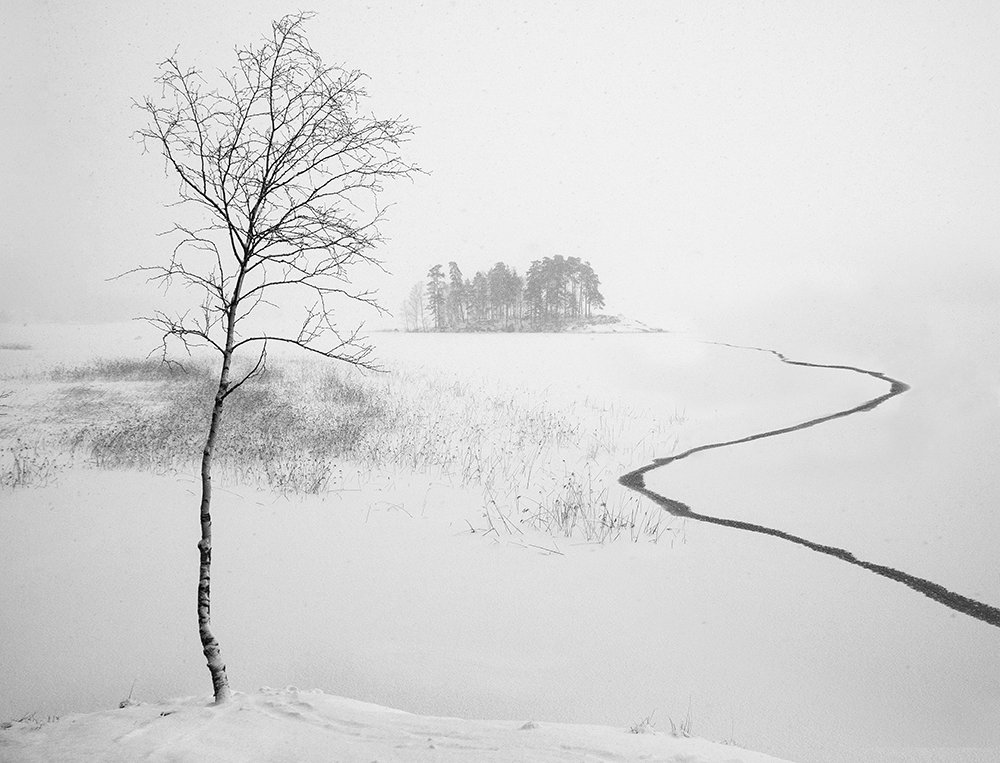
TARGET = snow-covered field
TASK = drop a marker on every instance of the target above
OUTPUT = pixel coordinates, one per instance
(420, 588)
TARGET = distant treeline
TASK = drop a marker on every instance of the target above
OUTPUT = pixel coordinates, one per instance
(556, 292)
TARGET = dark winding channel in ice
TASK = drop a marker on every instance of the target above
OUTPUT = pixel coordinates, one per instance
(635, 481)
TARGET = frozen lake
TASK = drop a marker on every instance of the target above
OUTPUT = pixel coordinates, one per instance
(788, 651)
(796, 637)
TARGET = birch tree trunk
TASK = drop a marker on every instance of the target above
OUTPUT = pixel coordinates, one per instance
(209, 644)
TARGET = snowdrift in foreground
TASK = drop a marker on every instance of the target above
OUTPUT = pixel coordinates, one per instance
(293, 725)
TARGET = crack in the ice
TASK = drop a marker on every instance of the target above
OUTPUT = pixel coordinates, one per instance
(635, 481)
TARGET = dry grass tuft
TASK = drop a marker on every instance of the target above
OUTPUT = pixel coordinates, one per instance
(29, 465)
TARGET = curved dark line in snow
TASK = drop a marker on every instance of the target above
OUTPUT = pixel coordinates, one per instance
(635, 481)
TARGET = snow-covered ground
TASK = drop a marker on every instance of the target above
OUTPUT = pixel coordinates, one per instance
(381, 592)
(294, 725)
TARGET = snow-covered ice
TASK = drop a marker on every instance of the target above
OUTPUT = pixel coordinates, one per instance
(382, 593)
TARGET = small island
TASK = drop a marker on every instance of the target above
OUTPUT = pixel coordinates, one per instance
(555, 294)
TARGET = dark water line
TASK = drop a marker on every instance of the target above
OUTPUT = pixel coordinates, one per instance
(635, 481)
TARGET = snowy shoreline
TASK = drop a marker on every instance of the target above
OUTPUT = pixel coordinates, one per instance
(290, 724)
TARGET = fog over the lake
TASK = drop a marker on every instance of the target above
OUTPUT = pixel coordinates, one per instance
(748, 171)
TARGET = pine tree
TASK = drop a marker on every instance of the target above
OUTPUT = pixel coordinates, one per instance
(456, 296)
(481, 297)
(436, 296)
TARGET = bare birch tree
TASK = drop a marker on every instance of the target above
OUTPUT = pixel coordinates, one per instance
(283, 172)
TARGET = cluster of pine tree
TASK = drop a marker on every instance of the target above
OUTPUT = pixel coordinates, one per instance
(555, 292)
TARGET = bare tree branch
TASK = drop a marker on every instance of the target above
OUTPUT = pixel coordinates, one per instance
(258, 368)
(286, 168)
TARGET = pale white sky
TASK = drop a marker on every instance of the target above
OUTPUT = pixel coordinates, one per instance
(730, 167)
